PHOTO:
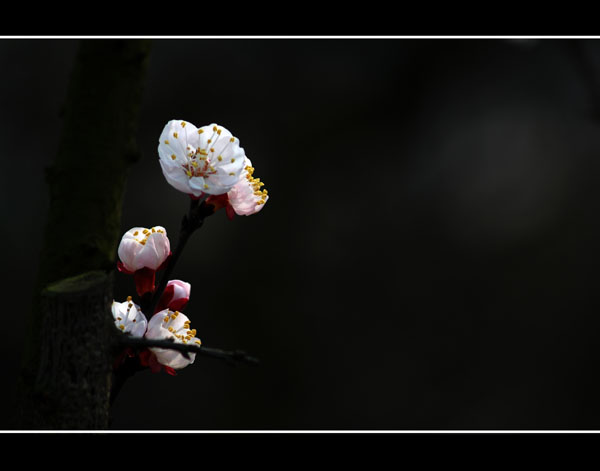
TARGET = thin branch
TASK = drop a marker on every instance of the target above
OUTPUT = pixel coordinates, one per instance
(233, 357)
(192, 221)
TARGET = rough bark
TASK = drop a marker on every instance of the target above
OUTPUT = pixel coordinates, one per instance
(72, 384)
(64, 381)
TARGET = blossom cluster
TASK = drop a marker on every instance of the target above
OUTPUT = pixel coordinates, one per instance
(208, 161)
(205, 162)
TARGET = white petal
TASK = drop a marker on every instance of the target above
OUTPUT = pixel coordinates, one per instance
(129, 320)
(155, 251)
(128, 251)
(176, 176)
(175, 138)
(158, 329)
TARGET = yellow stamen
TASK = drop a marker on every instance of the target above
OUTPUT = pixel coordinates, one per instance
(175, 135)
(173, 156)
(183, 124)
(167, 141)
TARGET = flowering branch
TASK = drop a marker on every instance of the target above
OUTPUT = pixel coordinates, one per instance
(209, 165)
(231, 357)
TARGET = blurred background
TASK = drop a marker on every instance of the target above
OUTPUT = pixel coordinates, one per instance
(428, 255)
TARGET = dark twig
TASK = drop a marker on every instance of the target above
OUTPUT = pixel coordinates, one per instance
(232, 357)
(190, 223)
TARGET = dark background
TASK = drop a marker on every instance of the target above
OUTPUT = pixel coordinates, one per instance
(427, 258)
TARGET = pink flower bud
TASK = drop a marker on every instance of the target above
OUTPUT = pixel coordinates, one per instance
(175, 296)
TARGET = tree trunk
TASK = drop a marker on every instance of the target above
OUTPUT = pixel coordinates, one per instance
(73, 378)
(65, 379)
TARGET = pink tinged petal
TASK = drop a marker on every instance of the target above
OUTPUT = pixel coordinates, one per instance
(181, 294)
(243, 199)
(182, 289)
(175, 360)
(128, 251)
(156, 249)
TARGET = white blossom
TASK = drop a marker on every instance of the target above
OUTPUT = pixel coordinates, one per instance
(198, 161)
(129, 318)
(175, 325)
